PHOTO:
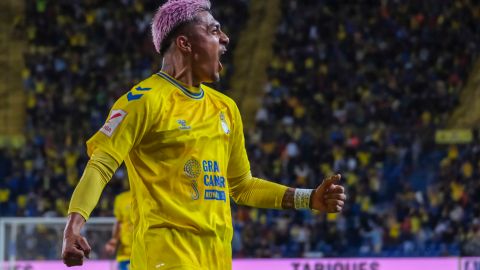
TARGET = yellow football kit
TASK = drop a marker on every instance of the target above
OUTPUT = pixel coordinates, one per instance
(122, 212)
(184, 151)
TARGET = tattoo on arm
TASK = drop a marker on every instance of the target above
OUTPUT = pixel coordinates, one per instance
(288, 199)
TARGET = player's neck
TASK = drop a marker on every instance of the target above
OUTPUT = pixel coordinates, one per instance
(179, 71)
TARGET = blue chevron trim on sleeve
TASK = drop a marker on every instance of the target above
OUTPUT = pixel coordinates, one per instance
(139, 88)
(131, 96)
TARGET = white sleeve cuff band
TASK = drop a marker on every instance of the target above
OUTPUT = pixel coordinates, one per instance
(301, 199)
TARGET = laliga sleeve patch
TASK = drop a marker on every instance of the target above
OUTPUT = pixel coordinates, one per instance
(116, 117)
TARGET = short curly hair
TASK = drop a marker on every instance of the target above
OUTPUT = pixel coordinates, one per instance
(171, 16)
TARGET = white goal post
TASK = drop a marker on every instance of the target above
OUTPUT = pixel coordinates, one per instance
(40, 238)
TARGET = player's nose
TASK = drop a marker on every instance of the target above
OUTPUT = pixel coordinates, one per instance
(224, 40)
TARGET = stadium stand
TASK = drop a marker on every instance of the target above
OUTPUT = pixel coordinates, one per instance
(358, 89)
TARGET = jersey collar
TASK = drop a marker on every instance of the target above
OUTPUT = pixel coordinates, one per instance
(187, 92)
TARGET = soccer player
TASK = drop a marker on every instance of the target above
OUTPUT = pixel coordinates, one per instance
(122, 230)
(183, 146)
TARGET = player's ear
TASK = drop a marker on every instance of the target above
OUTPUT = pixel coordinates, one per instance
(183, 44)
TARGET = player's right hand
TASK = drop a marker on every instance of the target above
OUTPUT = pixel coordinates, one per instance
(75, 247)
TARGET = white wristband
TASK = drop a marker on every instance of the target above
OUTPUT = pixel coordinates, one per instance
(301, 199)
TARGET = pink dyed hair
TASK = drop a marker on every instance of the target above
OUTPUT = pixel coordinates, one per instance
(173, 13)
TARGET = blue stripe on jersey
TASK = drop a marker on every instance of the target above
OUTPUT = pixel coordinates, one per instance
(142, 89)
(181, 87)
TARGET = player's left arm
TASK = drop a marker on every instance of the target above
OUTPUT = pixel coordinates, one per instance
(248, 190)
(252, 191)
(327, 197)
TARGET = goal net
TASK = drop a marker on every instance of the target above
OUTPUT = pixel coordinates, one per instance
(26, 241)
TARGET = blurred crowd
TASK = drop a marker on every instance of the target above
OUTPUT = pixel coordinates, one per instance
(357, 89)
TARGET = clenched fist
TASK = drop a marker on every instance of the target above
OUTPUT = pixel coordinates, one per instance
(75, 247)
(329, 197)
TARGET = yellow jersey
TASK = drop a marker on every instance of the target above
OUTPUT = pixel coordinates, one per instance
(122, 212)
(180, 145)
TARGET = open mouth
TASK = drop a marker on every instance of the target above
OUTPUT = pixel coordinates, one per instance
(220, 54)
(220, 66)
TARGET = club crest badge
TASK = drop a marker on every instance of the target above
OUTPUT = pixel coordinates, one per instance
(224, 123)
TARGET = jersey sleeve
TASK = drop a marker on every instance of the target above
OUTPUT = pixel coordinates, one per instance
(238, 163)
(252, 191)
(127, 122)
(98, 172)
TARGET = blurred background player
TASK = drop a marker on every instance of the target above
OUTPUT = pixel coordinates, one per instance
(121, 240)
(183, 146)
